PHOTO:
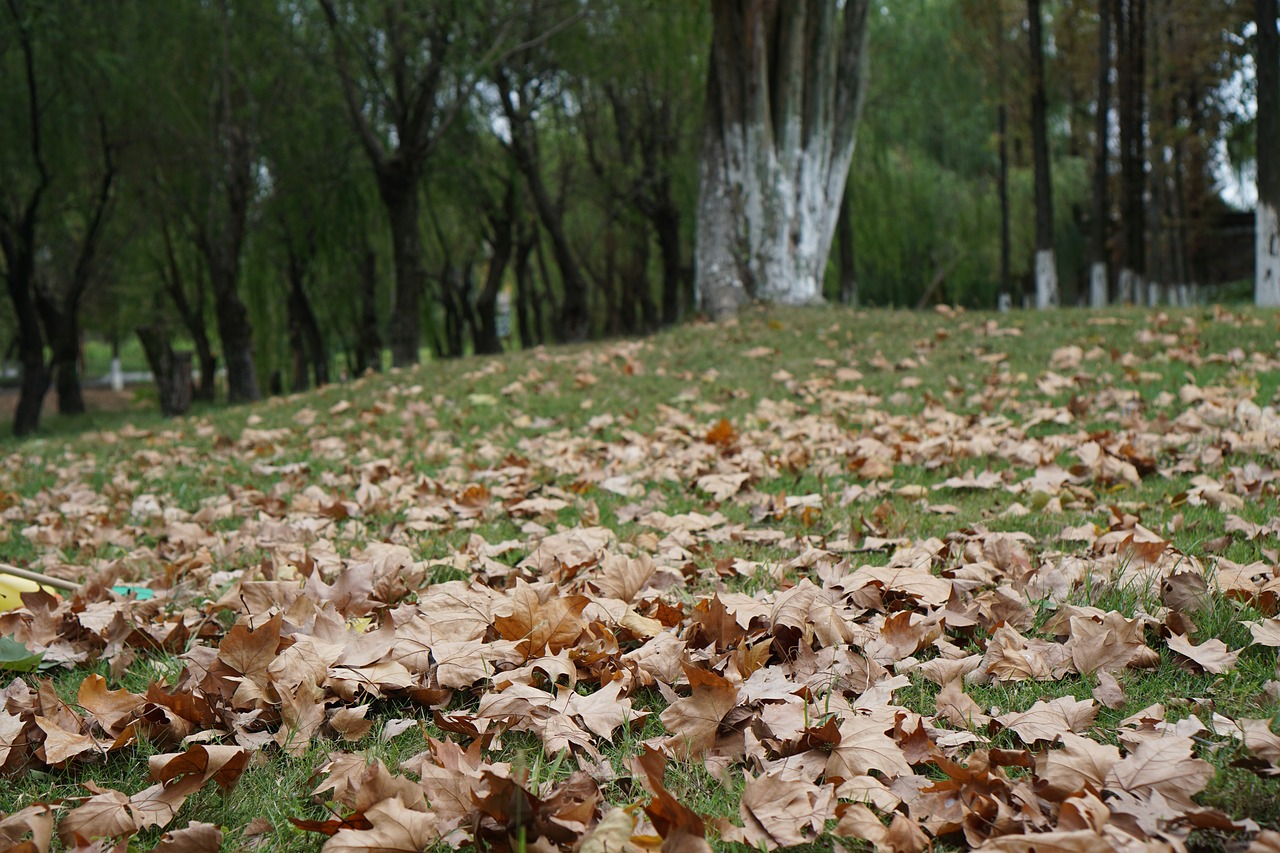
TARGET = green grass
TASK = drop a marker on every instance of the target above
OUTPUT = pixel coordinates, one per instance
(451, 422)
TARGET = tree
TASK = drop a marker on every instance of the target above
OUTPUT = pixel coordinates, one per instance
(1267, 216)
(25, 185)
(1099, 285)
(1130, 20)
(784, 93)
(1046, 262)
(407, 70)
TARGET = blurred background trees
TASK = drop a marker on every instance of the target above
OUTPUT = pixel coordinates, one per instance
(300, 190)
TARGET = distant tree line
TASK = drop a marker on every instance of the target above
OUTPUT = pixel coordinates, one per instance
(291, 188)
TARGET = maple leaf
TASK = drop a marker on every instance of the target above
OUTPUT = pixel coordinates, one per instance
(864, 746)
(1080, 763)
(36, 821)
(681, 829)
(1109, 643)
(196, 837)
(61, 745)
(902, 835)
(1047, 720)
(778, 812)
(104, 814)
(1165, 766)
(1210, 656)
(1266, 632)
(223, 764)
(694, 721)
(541, 627)
(1072, 841)
(394, 828)
(110, 709)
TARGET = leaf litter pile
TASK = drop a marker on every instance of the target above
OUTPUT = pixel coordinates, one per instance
(814, 578)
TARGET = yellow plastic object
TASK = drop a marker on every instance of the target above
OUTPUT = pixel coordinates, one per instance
(12, 588)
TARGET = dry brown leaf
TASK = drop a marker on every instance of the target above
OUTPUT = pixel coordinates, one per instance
(35, 821)
(694, 721)
(1109, 692)
(1047, 720)
(1210, 656)
(395, 829)
(1078, 841)
(863, 747)
(1165, 766)
(778, 812)
(196, 837)
(1081, 764)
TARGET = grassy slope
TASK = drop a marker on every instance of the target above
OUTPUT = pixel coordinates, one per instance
(464, 413)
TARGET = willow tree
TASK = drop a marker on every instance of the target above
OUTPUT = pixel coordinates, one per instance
(784, 92)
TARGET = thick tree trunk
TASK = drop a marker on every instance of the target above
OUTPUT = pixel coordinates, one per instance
(66, 367)
(1099, 285)
(62, 330)
(784, 93)
(1267, 273)
(18, 247)
(35, 374)
(400, 195)
(172, 371)
(236, 336)
(1046, 268)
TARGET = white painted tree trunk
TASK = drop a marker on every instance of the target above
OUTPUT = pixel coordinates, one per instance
(116, 375)
(1004, 303)
(782, 114)
(1153, 293)
(1098, 285)
(1126, 286)
(1046, 279)
(1266, 290)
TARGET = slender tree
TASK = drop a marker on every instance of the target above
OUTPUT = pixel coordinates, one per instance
(784, 93)
(1267, 217)
(1130, 20)
(1046, 265)
(1099, 287)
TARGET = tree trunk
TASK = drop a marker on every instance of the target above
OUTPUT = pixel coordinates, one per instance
(666, 226)
(1004, 299)
(1130, 23)
(400, 195)
(486, 340)
(368, 339)
(1046, 262)
(236, 335)
(172, 371)
(66, 365)
(526, 305)
(848, 270)
(35, 374)
(1267, 273)
(192, 314)
(1099, 284)
(784, 93)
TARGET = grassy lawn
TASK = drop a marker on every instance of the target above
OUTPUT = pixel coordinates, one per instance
(957, 576)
